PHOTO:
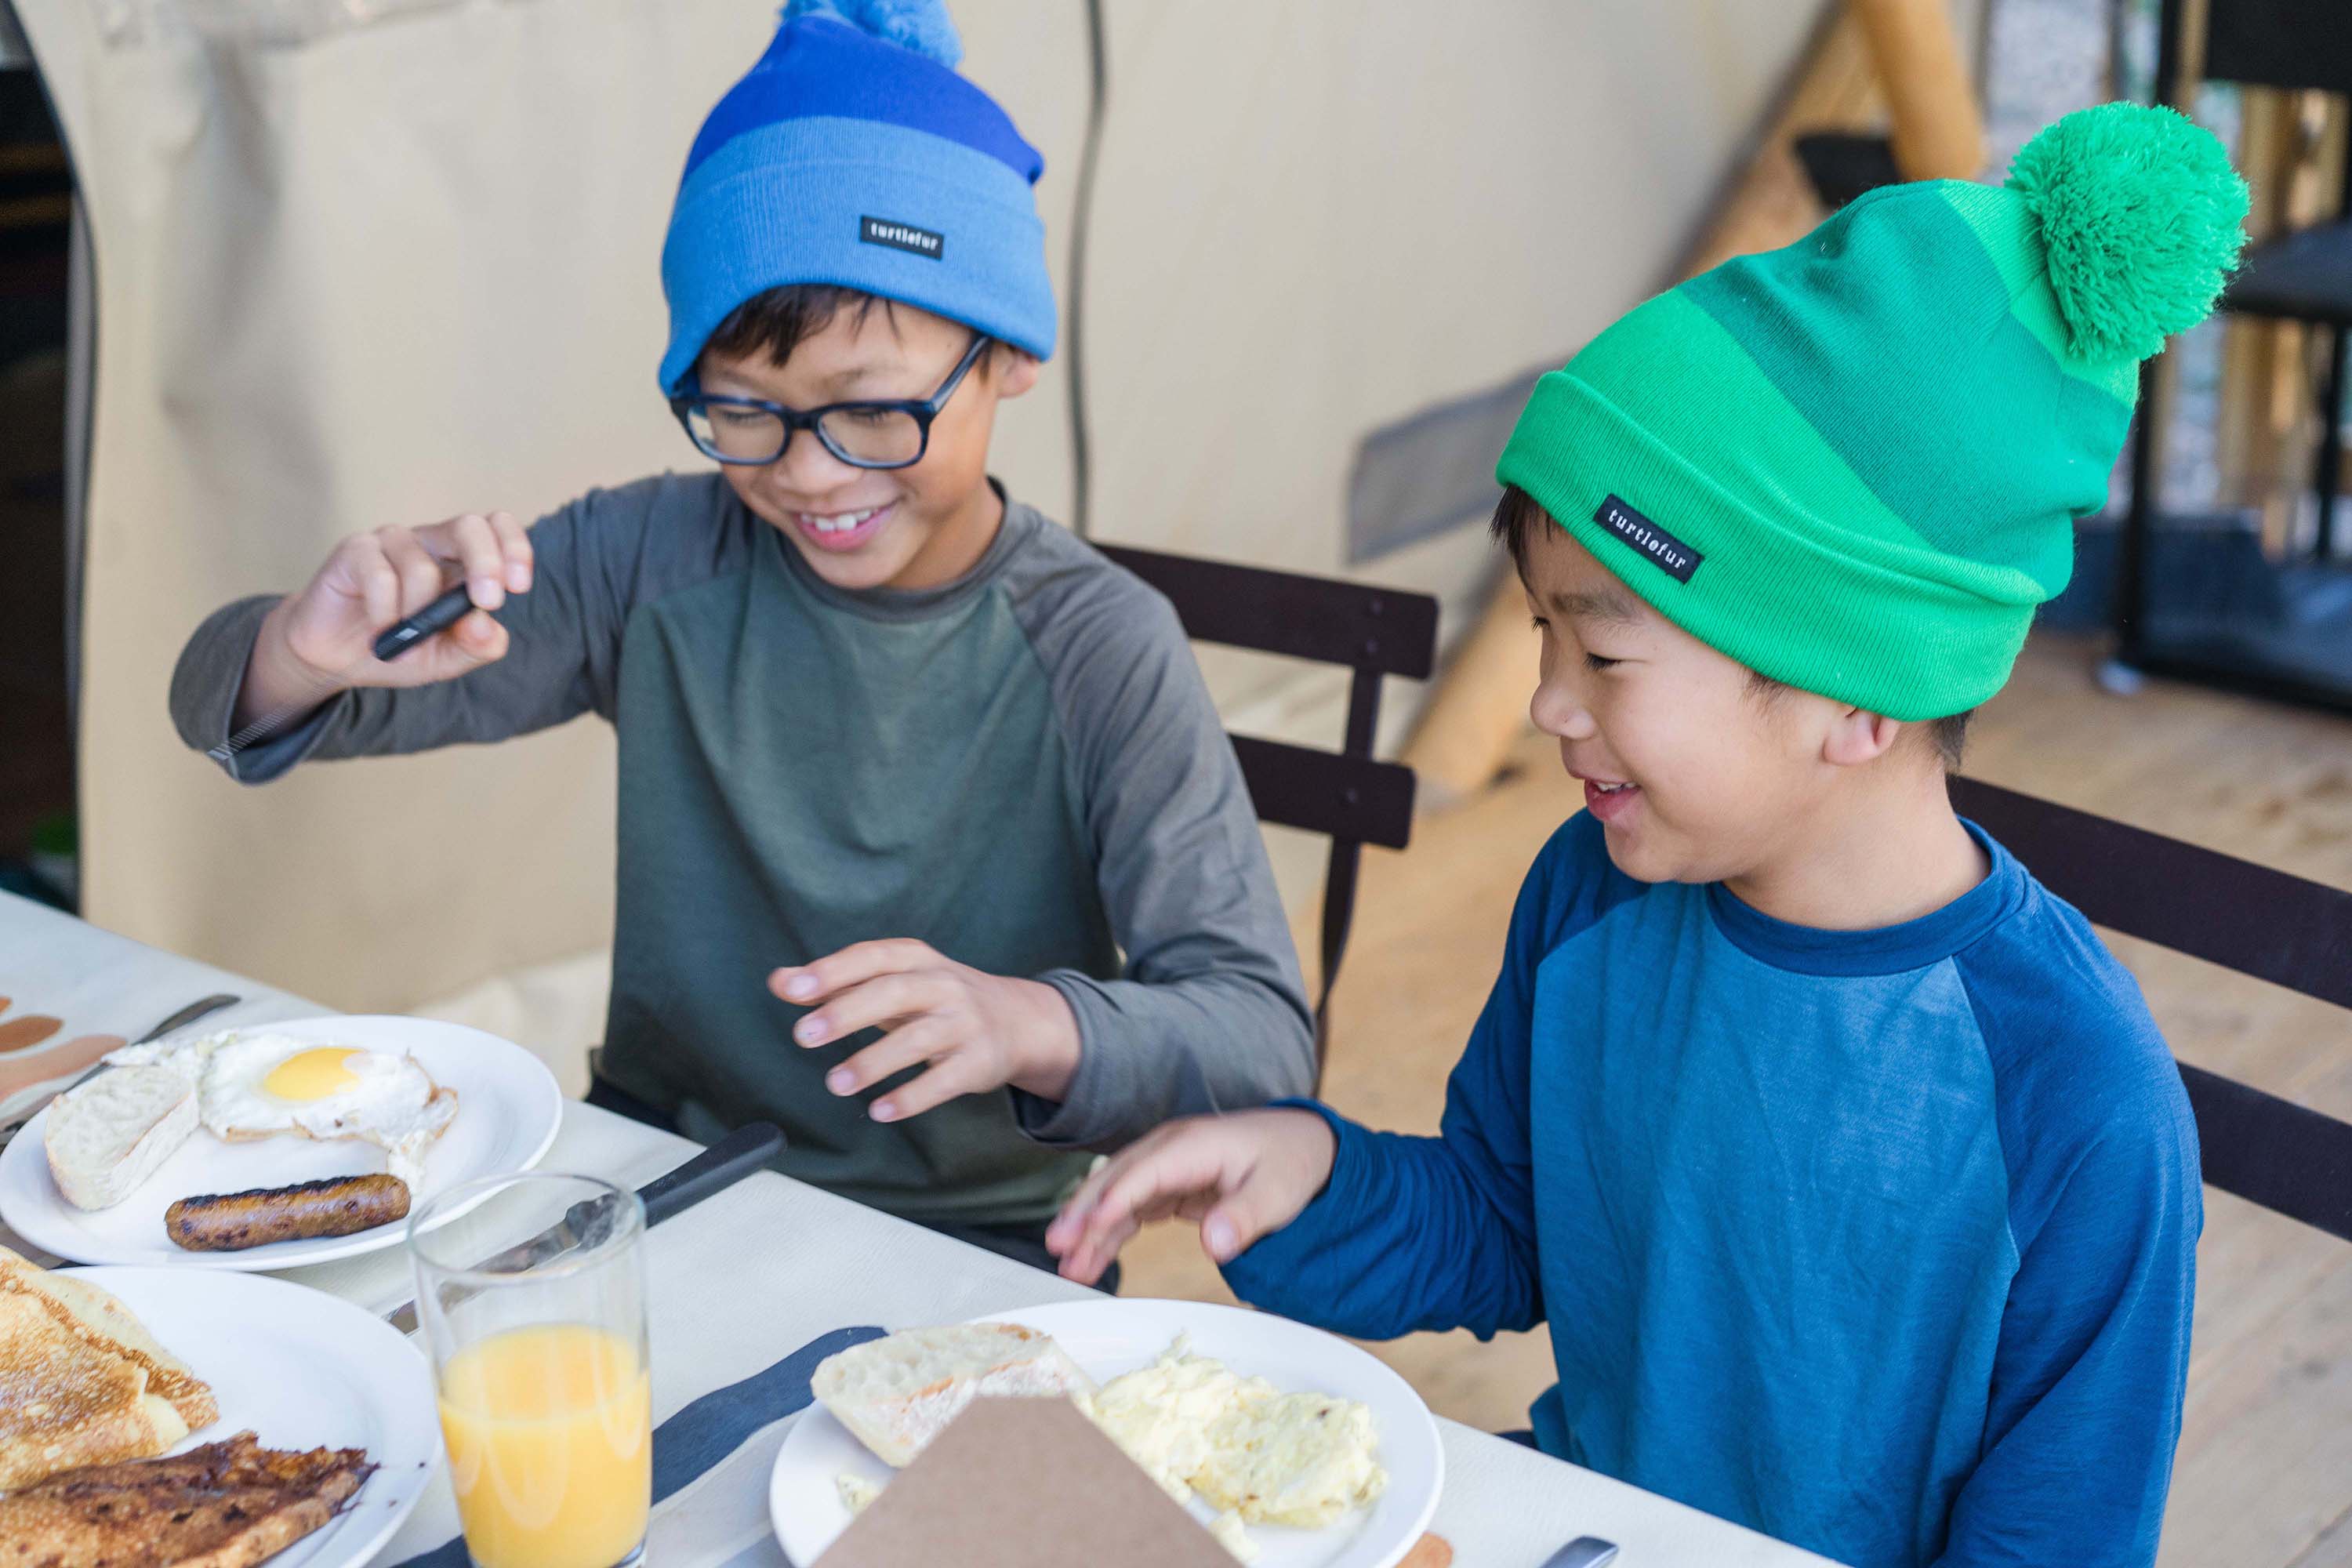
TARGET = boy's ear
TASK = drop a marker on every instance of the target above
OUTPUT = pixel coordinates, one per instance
(1857, 736)
(1015, 369)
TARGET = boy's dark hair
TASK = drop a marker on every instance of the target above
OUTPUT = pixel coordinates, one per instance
(776, 322)
(1517, 518)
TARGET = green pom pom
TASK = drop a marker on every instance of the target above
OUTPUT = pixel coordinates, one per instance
(2141, 215)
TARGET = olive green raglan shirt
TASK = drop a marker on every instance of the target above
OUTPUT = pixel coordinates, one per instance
(1022, 769)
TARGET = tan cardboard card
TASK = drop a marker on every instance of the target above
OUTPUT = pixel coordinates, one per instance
(1024, 1483)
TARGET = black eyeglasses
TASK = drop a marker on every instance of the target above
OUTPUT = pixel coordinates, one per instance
(872, 434)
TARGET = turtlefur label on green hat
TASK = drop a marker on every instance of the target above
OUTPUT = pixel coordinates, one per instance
(1661, 549)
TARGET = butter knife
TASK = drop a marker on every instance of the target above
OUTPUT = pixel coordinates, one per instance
(1584, 1551)
(713, 1170)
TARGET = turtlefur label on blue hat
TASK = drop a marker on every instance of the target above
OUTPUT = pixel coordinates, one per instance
(902, 236)
(1663, 550)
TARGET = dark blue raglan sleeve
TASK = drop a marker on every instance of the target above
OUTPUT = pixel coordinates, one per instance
(2105, 1207)
(1439, 1233)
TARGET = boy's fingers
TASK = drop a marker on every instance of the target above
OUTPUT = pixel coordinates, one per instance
(1229, 1227)
(378, 585)
(1082, 1203)
(1171, 1172)
(480, 557)
(894, 1053)
(420, 575)
(853, 965)
(866, 1007)
(514, 543)
(479, 638)
(948, 1080)
(1070, 1224)
(1085, 1258)
(1086, 1265)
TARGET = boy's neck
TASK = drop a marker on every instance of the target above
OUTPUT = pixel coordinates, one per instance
(1888, 852)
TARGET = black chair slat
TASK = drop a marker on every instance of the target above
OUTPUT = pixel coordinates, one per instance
(2305, 276)
(1385, 630)
(1345, 797)
(2251, 918)
(2279, 43)
(2288, 1158)
(2270, 924)
(1349, 799)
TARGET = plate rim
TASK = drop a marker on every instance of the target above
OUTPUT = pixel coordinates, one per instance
(1427, 1513)
(268, 1258)
(309, 1298)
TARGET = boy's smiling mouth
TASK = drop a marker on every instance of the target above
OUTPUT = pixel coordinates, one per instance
(843, 530)
(1608, 800)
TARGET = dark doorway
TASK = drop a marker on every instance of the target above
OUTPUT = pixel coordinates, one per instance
(36, 775)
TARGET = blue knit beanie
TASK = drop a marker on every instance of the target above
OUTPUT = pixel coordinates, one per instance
(853, 154)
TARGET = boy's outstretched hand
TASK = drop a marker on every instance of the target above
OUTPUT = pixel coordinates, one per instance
(324, 635)
(1239, 1175)
(977, 1031)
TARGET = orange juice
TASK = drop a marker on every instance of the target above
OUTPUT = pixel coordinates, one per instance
(550, 1446)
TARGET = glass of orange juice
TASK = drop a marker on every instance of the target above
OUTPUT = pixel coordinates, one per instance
(538, 1357)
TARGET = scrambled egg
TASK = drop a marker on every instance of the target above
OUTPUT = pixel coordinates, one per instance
(1301, 1460)
(1227, 1531)
(855, 1492)
(1163, 1413)
(1259, 1454)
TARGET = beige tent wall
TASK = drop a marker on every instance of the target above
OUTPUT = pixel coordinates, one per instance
(409, 268)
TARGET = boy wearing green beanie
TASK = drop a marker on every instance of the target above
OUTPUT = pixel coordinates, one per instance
(1848, 1169)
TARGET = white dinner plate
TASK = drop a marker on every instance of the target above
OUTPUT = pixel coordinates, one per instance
(507, 1109)
(1109, 1337)
(300, 1369)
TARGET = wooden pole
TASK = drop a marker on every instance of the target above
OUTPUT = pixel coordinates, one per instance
(1480, 709)
(1938, 132)
(2246, 441)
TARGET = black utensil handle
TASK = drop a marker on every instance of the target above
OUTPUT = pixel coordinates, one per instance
(437, 617)
(188, 1014)
(714, 1170)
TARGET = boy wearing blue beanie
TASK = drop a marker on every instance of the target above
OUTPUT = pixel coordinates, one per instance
(940, 773)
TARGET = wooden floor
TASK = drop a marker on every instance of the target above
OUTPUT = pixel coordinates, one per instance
(2264, 1474)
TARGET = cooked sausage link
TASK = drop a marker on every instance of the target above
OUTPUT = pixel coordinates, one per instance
(231, 1222)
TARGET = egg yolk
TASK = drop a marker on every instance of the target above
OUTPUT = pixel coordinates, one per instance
(312, 1075)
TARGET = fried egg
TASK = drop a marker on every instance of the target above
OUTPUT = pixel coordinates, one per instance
(265, 1086)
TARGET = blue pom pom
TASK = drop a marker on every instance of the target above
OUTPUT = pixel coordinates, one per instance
(922, 25)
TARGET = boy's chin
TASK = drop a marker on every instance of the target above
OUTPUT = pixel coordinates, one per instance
(1639, 855)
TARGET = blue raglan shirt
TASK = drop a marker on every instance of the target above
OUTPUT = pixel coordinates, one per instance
(1880, 1242)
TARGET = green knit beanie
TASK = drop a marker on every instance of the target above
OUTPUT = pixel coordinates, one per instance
(1854, 464)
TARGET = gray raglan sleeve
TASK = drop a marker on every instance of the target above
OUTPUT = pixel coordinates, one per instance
(562, 658)
(1210, 1014)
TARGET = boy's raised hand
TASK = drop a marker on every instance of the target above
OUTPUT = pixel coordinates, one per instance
(977, 1031)
(1241, 1175)
(322, 636)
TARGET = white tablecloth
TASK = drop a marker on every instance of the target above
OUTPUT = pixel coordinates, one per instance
(752, 1274)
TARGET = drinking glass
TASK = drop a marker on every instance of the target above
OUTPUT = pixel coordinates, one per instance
(539, 1361)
